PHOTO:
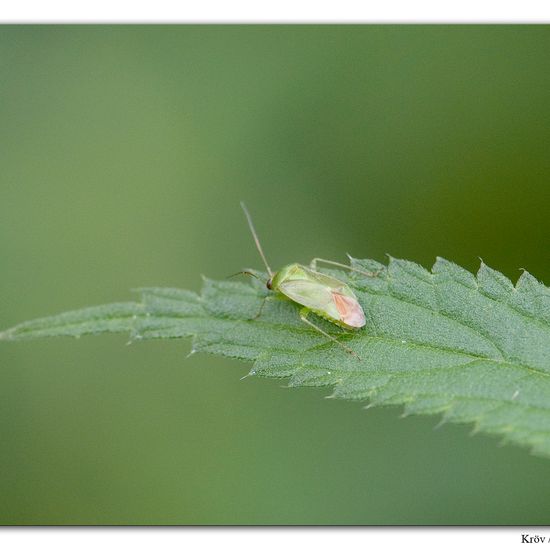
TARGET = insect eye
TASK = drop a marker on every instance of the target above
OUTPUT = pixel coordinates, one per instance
(268, 284)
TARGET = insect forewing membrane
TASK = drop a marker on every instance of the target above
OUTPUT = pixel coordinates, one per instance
(351, 313)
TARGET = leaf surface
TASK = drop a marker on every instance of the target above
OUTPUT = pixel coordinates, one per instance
(475, 348)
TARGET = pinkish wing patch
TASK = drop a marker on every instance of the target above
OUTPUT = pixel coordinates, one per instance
(349, 309)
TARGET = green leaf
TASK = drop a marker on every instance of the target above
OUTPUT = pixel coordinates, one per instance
(474, 348)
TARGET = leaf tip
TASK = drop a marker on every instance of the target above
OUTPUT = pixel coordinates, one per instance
(475, 430)
(444, 420)
(251, 373)
(6, 335)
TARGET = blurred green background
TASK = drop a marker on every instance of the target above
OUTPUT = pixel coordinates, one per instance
(124, 154)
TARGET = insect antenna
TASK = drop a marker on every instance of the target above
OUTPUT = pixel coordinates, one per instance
(256, 240)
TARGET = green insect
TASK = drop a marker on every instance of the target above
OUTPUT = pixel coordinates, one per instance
(321, 294)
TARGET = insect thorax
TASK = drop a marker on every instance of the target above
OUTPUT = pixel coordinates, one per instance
(289, 271)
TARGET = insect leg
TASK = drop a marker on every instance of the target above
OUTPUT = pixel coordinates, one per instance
(313, 266)
(265, 297)
(303, 316)
(261, 308)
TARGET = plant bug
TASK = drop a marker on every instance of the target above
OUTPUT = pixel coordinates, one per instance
(317, 292)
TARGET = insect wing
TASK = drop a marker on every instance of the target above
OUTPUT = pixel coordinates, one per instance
(312, 295)
(349, 309)
(324, 279)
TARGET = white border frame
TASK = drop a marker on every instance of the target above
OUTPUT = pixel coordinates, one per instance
(280, 11)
